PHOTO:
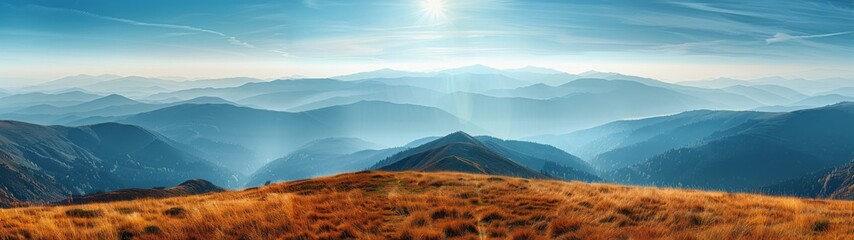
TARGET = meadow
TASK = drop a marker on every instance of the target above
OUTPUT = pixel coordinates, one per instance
(416, 205)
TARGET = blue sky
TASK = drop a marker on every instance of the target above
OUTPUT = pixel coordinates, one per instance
(672, 40)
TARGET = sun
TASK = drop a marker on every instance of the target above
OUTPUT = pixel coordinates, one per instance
(433, 6)
(433, 9)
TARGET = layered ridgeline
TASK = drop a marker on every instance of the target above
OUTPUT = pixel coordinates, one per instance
(726, 150)
(49, 163)
(464, 153)
(260, 135)
(87, 112)
(455, 152)
(757, 153)
(624, 143)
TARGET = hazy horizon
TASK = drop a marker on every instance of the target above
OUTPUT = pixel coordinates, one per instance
(809, 74)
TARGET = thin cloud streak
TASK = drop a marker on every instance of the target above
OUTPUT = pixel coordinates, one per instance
(782, 37)
(230, 39)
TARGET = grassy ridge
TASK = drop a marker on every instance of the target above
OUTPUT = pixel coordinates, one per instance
(412, 205)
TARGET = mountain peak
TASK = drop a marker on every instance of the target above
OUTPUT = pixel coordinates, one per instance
(460, 152)
(113, 99)
(458, 137)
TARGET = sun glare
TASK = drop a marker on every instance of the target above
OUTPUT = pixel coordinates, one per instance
(433, 9)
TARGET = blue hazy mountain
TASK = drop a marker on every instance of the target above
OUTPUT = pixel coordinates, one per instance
(107, 101)
(760, 95)
(808, 86)
(347, 93)
(520, 117)
(528, 74)
(716, 98)
(131, 85)
(99, 110)
(382, 73)
(271, 134)
(447, 83)
(756, 153)
(288, 94)
(393, 94)
(808, 102)
(51, 163)
(69, 82)
(823, 100)
(600, 101)
(781, 91)
(534, 155)
(19, 101)
(623, 143)
(845, 91)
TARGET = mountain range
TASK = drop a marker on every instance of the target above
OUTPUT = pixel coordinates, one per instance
(271, 134)
(754, 154)
(119, 132)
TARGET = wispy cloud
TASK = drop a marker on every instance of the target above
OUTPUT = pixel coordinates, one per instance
(709, 8)
(782, 37)
(310, 3)
(229, 38)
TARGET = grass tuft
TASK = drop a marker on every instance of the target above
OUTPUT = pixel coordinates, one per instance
(175, 212)
(82, 213)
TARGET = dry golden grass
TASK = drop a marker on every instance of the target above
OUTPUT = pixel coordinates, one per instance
(412, 205)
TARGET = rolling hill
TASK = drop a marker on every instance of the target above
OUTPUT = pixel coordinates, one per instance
(419, 205)
(43, 163)
(187, 188)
